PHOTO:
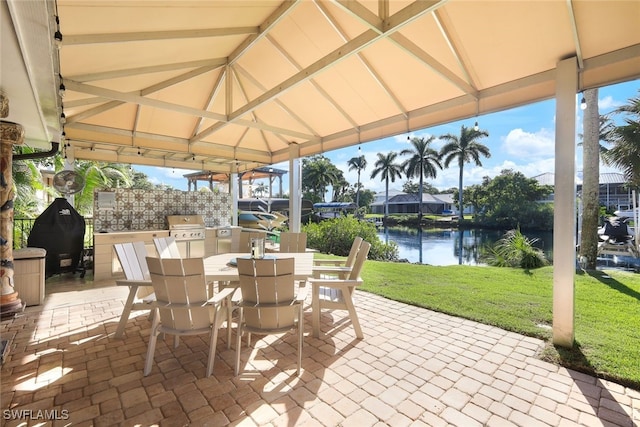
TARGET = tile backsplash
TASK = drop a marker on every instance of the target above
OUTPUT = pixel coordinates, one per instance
(147, 209)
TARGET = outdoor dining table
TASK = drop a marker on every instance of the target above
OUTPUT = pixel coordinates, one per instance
(219, 268)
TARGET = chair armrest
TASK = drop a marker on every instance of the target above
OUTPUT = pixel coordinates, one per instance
(335, 283)
(221, 295)
(318, 271)
(302, 293)
(320, 262)
(125, 282)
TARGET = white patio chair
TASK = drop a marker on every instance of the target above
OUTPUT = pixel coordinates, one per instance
(182, 304)
(293, 242)
(269, 302)
(134, 265)
(346, 263)
(337, 292)
(167, 247)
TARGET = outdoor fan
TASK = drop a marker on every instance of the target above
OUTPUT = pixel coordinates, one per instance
(68, 182)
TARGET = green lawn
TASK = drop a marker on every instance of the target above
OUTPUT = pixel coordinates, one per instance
(607, 308)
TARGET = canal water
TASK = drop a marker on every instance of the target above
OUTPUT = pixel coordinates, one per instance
(463, 247)
(452, 246)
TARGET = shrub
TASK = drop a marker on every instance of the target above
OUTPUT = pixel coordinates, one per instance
(516, 250)
(335, 236)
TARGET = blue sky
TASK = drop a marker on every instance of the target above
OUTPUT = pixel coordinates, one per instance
(521, 139)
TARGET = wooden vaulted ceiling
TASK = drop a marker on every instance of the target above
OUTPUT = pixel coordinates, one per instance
(220, 85)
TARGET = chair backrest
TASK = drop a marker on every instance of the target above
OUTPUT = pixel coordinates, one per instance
(267, 287)
(180, 282)
(293, 242)
(245, 239)
(361, 257)
(167, 247)
(355, 247)
(132, 257)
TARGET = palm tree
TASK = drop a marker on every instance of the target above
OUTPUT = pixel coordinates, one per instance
(465, 148)
(99, 175)
(386, 167)
(317, 174)
(592, 125)
(625, 140)
(424, 160)
(359, 164)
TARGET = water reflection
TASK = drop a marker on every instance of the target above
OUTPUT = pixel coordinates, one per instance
(451, 246)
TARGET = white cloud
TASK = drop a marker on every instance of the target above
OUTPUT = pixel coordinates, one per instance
(521, 144)
(608, 103)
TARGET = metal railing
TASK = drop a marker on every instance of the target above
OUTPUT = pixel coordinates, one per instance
(22, 228)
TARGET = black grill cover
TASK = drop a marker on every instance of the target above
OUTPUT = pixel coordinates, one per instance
(59, 230)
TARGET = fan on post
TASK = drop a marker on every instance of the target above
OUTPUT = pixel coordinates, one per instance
(68, 182)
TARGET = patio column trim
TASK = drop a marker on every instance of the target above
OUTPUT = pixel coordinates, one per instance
(564, 218)
(295, 188)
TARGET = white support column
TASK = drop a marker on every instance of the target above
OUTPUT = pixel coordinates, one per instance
(233, 192)
(295, 189)
(564, 219)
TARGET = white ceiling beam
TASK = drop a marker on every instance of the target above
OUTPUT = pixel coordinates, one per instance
(283, 10)
(159, 139)
(79, 39)
(178, 79)
(360, 12)
(73, 118)
(365, 62)
(217, 87)
(115, 74)
(128, 97)
(574, 31)
(413, 49)
(396, 22)
(447, 29)
(282, 105)
(146, 91)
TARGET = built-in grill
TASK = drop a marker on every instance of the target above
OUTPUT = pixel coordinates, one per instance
(189, 232)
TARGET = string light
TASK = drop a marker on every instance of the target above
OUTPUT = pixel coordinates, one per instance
(476, 127)
(139, 153)
(57, 36)
(583, 103)
(61, 89)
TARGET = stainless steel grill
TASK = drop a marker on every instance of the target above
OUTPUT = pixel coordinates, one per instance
(186, 227)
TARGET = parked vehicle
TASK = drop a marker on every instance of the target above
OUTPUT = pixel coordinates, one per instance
(261, 220)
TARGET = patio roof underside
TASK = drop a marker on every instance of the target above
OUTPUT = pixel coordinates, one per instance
(215, 85)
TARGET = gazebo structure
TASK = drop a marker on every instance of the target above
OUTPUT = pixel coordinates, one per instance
(232, 86)
(250, 176)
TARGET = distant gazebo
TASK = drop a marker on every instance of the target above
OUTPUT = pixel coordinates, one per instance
(257, 173)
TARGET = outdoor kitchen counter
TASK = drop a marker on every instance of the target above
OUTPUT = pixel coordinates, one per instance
(105, 261)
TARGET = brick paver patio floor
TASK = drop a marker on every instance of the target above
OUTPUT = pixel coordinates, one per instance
(415, 367)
